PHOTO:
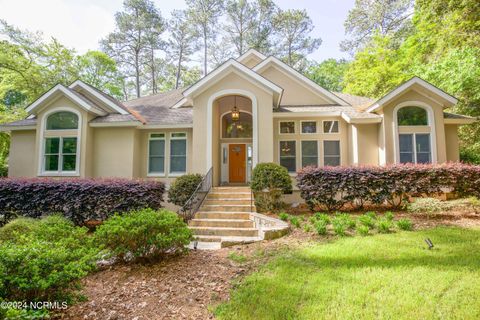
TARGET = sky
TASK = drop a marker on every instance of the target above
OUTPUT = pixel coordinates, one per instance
(80, 24)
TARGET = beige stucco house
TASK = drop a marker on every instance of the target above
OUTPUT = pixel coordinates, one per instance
(249, 110)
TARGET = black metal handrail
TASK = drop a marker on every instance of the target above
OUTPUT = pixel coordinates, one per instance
(196, 199)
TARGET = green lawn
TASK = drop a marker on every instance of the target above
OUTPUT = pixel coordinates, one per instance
(389, 276)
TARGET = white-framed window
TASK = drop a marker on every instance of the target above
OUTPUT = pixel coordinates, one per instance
(287, 127)
(414, 130)
(178, 153)
(156, 154)
(288, 155)
(240, 129)
(415, 148)
(331, 153)
(308, 127)
(309, 153)
(330, 126)
(60, 143)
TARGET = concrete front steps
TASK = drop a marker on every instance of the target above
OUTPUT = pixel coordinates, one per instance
(228, 217)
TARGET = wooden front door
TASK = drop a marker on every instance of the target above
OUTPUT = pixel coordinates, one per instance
(237, 163)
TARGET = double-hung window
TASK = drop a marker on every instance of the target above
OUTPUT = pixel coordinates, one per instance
(178, 152)
(156, 154)
(415, 148)
(331, 153)
(288, 157)
(309, 153)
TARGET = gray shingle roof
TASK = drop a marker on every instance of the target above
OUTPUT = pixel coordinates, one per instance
(115, 117)
(448, 115)
(21, 123)
(356, 101)
(156, 109)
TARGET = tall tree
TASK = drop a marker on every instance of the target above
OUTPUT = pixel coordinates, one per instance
(294, 42)
(99, 70)
(261, 36)
(204, 14)
(370, 17)
(135, 37)
(241, 18)
(329, 73)
(183, 41)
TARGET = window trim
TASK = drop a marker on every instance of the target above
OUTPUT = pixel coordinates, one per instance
(287, 134)
(175, 173)
(331, 132)
(59, 134)
(431, 125)
(164, 138)
(339, 148)
(296, 154)
(308, 133)
(301, 151)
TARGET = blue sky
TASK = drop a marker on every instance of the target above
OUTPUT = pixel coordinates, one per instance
(82, 23)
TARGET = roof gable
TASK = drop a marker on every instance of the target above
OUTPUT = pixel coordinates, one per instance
(251, 58)
(107, 102)
(222, 71)
(60, 90)
(299, 78)
(410, 84)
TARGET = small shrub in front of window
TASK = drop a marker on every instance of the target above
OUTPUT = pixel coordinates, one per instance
(182, 188)
(269, 182)
(144, 235)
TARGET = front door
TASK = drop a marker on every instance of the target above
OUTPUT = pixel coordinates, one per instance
(237, 163)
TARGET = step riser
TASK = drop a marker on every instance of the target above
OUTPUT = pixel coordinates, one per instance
(231, 189)
(228, 195)
(227, 202)
(226, 233)
(204, 239)
(246, 208)
(221, 224)
(222, 215)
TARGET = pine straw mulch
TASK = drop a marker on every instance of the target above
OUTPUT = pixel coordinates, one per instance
(186, 287)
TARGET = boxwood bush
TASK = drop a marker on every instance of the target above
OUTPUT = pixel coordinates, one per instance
(80, 200)
(182, 188)
(269, 182)
(143, 235)
(333, 187)
(41, 260)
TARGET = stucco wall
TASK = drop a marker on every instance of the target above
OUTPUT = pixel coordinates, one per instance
(21, 160)
(113, 150)
(368, 144)
(294, 93)
(452, 145)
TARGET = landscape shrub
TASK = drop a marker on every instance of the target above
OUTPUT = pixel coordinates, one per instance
(144, 235)
(80, 200)
(389, 215)
(339, 226)
(333, 187)
(283, 216)
(346, 219)
(295, 221)
(384, 226)
(405, 224)
(363, 230)
(183, 187)
(44, 261)
(367, 220)
(429, 205)
(321, 227)
(322, 217)
(307, 227)
(269, 182)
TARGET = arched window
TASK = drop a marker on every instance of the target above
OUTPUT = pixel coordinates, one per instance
(60, 146)
(242, 128)
(414, 132)
(62, 120)
(412, 116)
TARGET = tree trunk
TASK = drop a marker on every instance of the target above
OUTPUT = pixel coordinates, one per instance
(205, 48)
(137, 74)
(154, 80)
(179, 67)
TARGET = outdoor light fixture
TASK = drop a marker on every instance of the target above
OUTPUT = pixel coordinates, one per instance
(285, 148)
(235, 112)
(429, 243)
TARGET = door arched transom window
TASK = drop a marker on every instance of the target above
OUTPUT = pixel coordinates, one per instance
(242, 128)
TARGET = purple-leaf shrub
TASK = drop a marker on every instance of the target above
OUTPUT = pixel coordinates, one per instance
(79, 200)
(333, 187)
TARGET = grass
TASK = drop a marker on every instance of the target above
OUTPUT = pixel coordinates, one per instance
(388, 276)
(238, 258)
